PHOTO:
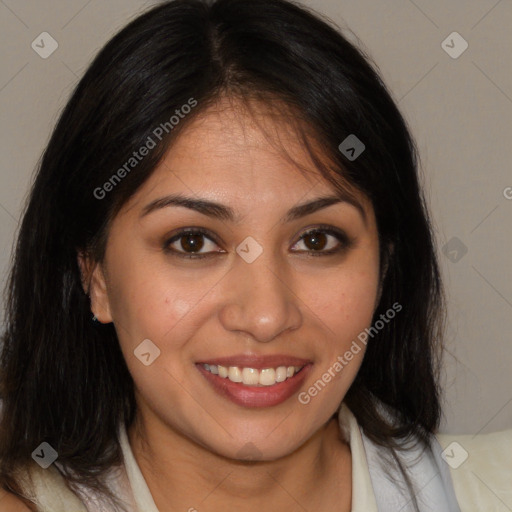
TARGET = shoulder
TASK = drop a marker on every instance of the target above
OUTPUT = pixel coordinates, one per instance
(47, 489)
(10, 503)
(481, 469)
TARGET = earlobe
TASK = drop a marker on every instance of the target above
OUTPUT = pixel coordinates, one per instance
(95, 286)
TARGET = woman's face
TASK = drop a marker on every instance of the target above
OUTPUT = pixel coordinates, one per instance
(257, 300)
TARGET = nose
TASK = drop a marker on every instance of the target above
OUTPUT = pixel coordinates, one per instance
(259, 300)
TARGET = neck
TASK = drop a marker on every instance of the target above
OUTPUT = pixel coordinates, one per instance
(182, 475)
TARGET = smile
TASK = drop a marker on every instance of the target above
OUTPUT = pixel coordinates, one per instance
(253, 376)
(247, 386)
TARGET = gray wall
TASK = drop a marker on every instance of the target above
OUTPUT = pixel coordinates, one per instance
(459, 109)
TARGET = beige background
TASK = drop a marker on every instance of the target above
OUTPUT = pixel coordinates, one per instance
(459, 109)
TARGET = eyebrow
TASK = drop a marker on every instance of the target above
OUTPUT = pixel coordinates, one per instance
(226, 213)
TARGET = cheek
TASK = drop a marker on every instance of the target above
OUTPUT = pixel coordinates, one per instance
(344, 309)
(147, 299)
(346, 301)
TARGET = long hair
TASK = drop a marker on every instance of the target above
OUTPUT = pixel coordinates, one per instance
(64, 380)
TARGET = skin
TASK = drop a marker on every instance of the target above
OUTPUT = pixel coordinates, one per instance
(10, 503)
(186, 437)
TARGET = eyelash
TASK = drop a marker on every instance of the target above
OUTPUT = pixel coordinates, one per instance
(344, 242)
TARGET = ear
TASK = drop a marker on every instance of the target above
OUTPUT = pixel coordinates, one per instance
(385, 265)
(94, 284)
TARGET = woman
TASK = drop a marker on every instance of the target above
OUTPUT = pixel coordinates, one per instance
(225, 289)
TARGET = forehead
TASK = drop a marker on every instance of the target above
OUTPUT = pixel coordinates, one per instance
(243, 148)
(250, 155)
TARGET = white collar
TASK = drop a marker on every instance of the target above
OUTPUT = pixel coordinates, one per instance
(363, 496)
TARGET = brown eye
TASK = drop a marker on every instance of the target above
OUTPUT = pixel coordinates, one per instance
(192, 242)
(315, 240)
(325, 241)
(189, 243)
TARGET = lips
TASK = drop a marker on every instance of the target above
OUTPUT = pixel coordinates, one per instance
(255, 395)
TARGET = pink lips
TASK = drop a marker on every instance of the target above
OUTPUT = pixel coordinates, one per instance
(253, 396)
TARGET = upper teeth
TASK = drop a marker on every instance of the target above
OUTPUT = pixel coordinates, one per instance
(253, 376)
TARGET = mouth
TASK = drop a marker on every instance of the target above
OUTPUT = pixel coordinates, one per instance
(253, 376)
(255, 381)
